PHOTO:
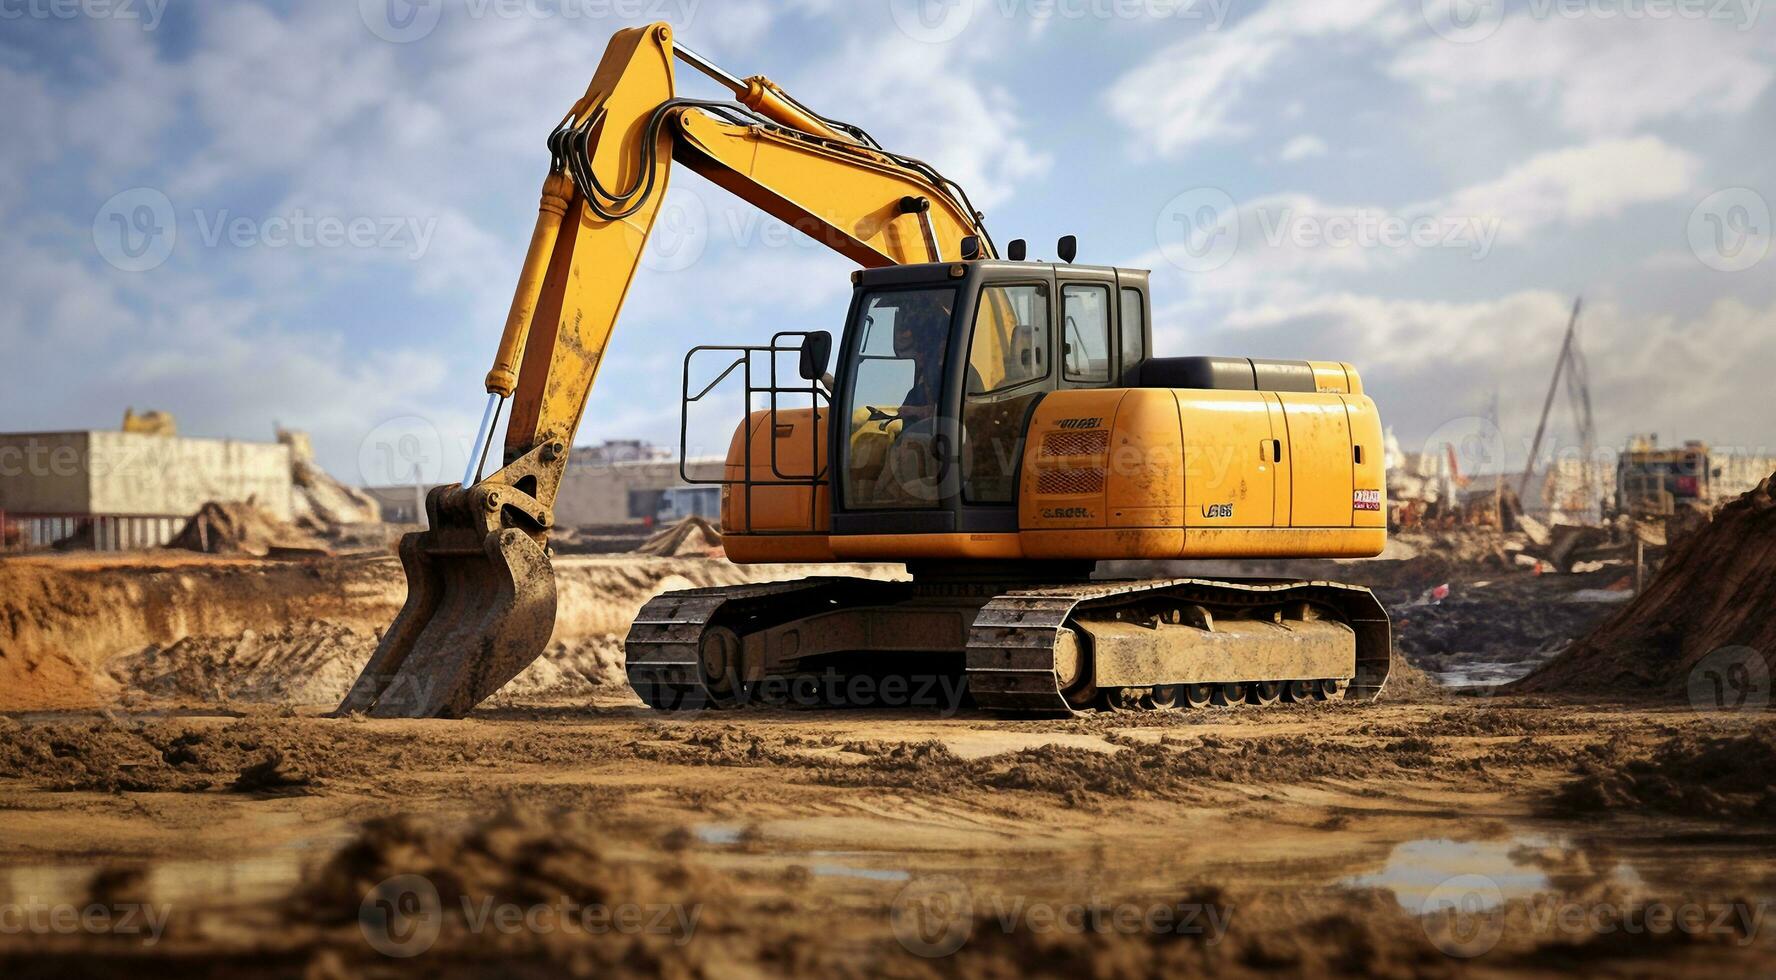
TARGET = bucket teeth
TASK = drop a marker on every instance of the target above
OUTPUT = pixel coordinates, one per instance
(473, 619)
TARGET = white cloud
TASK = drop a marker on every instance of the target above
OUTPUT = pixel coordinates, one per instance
(1303, 147)
(1191, 91)
(930, 101)
(1293, 246)
(1577, 184)
(1601, 75)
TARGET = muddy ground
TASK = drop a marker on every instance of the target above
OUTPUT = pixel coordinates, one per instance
(160, 815)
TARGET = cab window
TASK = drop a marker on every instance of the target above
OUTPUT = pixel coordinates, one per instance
(1008, 363)
(1085, 336)
(1134, 337)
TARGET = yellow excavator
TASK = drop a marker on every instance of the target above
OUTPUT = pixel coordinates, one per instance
(998, 424)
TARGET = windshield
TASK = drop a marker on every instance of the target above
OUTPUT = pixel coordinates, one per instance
(896, 380)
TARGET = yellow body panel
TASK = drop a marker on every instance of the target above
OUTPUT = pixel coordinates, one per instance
(784, 461)
(1121, 473)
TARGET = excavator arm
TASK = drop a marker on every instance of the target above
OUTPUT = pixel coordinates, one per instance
(481, 592)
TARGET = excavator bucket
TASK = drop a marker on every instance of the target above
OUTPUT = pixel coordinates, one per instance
(480, 607)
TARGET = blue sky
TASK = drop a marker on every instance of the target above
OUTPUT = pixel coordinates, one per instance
(312, 214)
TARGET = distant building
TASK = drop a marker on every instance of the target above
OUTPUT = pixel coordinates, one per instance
(120, 490)
(596, 492)
(619, 482)
(400, 504)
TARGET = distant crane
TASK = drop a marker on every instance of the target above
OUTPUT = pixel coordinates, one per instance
(1572, 367)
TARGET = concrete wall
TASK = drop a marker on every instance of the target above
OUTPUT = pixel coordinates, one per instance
(143, 474)
(104, 473)
(613, 493)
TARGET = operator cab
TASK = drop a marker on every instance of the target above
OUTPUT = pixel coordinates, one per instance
(940, 367)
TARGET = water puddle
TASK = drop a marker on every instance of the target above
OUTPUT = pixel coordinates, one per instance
(847, 871)
(826, 863)
(718, 833)
(181, 883)
(1420, 872)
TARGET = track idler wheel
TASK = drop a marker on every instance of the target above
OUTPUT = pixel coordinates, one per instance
(1265, 692)
(1196, 696)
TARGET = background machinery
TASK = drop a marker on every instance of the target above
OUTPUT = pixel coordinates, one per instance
(999, 425)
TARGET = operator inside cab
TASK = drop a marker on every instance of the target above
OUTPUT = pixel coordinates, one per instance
(919, 334)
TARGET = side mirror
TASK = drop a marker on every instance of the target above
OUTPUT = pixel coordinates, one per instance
(971, 248)
(816, 351)
(1067, 248)
(1017, 250)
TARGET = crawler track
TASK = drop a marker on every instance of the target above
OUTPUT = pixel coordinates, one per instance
(1011, 649)
(684, 649)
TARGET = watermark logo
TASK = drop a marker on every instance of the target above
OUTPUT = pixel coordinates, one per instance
(1469, 445)
(146, 12)
(405, 21)
(933, 916)
(402, 916)
(135, 230)
(401, 21)
(1729, 230)
(1731, 681)
(1461, 916)
(1198, 230)
(680, 233)
(932, 21)
(400, 452)
(1463, 21)
(937, 915)
(1465, 917)
(32, 917)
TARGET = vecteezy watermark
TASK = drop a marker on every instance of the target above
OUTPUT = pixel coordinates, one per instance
(300, 229)
(1201, 229)
(36, 918)
(1469, 21)
(402, 21)
(403, 451)
(404, 916)
(1731, 681)
(136, 230)
(940, 21)
(146, 12)
(679, 235)
(1466, 917)
(936, 915)
(1198, 230)
(1469, 445)
(827, 688)
(1729, 230)
(1375, 228)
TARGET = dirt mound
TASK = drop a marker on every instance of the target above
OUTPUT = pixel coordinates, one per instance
(296, 663)
(115, 756)
(322, 504)
(1175, 767)
(689, 537)
(243, 528)
(80, 631)
(551, 865)
(1715, 590)
(1210, 931)
(1724, 777)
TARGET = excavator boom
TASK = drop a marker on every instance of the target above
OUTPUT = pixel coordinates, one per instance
(481, 591)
